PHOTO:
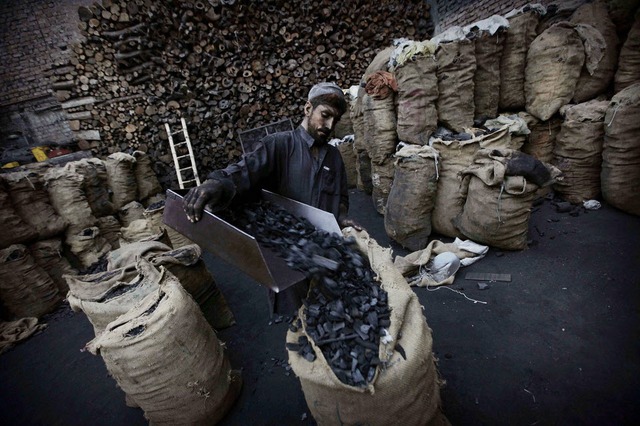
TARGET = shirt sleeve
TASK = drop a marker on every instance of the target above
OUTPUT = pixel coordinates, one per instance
(244, 175)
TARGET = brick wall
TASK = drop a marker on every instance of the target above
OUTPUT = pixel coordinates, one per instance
(33, 35)
(448, 13)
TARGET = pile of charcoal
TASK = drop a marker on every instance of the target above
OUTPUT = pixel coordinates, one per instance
(346, 310)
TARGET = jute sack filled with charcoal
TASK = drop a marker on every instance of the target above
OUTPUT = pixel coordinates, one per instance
(521, 32)
(109, 227)
(628, 72)
(412, 196)
(578, 151)
(456, 68)
(348, 153)
(541, 139)
(414, 65)
(130, 212)
(379, 113)
(25, 288)
(500, 187)
(117, 299)
(363, 161)
(49, 255)
(122, 178)
(455, 154)
(87, 245)
(95, 184)
(31, 201)
(507, 131)
(596, 82)
(127, 255)
(21, 232)
(620, 178)
(488, 37)
(146, 179)
(554, 63)
(167, 359)
(381, 181)
(188, 267)
(153, 214)
(404, 386)
(91, 286)
(142, 230)
(67, 196)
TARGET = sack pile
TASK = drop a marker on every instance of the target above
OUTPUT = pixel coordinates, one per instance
(547, 78)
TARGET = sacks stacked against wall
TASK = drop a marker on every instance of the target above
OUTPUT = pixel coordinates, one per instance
(544, 64)
(166, 358)
(65, 214)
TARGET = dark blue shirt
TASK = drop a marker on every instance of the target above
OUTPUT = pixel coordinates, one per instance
(284, 163)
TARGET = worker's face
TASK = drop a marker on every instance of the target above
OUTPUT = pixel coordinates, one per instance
(321, 121)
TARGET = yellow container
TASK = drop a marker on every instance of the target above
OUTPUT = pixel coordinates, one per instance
(11, 165)
(40, 152)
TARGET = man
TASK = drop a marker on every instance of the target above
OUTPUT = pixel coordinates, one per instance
(298, 164)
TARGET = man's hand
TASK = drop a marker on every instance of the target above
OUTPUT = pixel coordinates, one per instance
(197, 198)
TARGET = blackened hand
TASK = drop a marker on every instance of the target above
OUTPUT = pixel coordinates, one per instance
(197, 198)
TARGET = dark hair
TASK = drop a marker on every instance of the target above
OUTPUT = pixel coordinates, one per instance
(336, 101)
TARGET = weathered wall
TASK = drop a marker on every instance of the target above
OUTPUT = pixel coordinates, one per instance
(33, 35)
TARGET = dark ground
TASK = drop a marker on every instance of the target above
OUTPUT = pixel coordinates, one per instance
(558, 345)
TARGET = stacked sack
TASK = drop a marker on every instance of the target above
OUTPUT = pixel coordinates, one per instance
(547, 77)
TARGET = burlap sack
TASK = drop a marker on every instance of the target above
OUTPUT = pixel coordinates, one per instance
(153, 214)
(146, 179)
(68, 198)
(118, 299)
(87, 245)
(541, 140)
(405, 390)
(122, 178)
(32, 204)
(521, 32)
(620, 176)
(91, 286)
(497, 207)
(412, 197)
(456, 68)
(363, 161)
(554, 62)
(348, 154)
(20, 232)
(140, 230)
(49, 256)
(13, 332)
(380, 123)
(25, 288)
(109, 227)
(628, 72)
(188, 267)
(128, 254)
(591, 84)
(95, 184)
(454, 157)
(578, 151)
(486, 80)
(344, 126)
(166, 357)
(381, 181)
(417, 96)
(130, 212)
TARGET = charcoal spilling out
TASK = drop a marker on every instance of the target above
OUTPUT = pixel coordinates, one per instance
(346, 310)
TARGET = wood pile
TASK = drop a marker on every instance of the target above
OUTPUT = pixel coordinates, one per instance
(223, 65)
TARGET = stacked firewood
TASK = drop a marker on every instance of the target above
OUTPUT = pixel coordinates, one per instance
(223, 65)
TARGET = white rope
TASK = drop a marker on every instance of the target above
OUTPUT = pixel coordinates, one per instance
(459, 292)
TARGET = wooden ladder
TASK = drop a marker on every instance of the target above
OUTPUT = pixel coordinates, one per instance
(176, 158)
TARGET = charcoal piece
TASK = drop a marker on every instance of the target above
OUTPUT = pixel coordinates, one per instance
(401, 351)
(357, 377)
(293, 347)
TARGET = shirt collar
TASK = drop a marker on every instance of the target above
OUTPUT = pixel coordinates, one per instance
(306, 137)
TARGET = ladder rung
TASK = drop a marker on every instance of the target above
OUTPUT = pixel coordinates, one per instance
(186, 168)
(177, 133)
(180, 143)
(182, 156)
(187, 181)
